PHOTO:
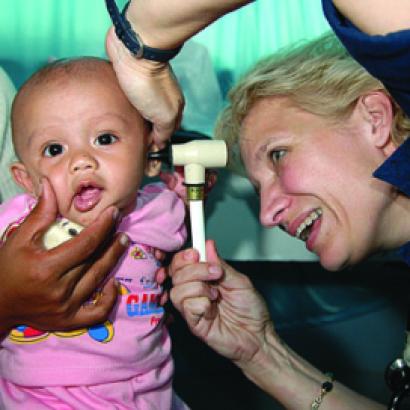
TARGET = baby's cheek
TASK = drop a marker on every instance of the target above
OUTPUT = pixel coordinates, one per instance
(62, 191)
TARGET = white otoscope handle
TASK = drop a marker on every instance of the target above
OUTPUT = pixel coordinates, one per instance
(196, 212)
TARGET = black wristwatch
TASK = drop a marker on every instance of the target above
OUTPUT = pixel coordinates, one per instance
(132, 40)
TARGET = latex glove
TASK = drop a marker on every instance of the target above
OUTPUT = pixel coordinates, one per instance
(220, 305)
(46, 289)
(150, 86)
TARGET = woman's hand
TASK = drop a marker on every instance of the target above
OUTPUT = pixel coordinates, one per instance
(46, 289)
(219, 304)
(150, 86)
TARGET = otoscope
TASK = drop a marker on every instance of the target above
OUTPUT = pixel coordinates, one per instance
(195, 156)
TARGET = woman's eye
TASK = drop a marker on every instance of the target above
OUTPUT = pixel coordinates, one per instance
(53, 150)
(106, 139)
(277, 155)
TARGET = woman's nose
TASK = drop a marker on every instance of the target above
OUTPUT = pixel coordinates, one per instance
(83, 162)
(273, 204)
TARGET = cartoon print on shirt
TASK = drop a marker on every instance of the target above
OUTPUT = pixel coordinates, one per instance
(144, 252)
(148, 283)
(137, 305)
(138, 253)
(102, 333)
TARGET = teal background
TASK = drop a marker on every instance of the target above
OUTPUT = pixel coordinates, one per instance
(346, 321)
(35, 31)
(31, 31)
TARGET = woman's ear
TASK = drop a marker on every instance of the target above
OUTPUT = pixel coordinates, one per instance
(22, 177)
(377, 109)
(152, 167)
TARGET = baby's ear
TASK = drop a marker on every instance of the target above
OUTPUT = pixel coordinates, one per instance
(152, 167)
(22, 177)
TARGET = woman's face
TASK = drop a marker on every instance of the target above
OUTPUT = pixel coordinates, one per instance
(315, 179)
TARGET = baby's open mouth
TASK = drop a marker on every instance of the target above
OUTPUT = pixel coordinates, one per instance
(87, 197)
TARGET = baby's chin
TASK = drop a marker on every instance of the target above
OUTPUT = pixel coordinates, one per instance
(88, 217)
(83, 218)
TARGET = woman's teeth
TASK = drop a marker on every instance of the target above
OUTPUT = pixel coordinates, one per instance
(303, 232)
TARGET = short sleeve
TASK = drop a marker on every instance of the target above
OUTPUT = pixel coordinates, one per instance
(386, 57)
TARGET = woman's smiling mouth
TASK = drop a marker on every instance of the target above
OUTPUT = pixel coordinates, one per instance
(303, 230)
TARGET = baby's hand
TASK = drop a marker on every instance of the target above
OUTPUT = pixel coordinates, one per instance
(175, 181)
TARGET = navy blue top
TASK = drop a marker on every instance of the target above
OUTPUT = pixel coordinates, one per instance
(386, 57)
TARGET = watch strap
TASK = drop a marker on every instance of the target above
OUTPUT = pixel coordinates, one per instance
(132, 40)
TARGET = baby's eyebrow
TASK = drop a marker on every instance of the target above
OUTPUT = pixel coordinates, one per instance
(110, 116)
(31, 138)
(42, 132)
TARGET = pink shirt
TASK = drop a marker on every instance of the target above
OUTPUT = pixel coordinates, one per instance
(134, 342)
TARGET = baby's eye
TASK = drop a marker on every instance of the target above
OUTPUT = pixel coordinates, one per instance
(106, 139)
(53, 150)
(276, 155)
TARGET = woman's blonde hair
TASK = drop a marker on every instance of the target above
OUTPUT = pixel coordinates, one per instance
(319, 77)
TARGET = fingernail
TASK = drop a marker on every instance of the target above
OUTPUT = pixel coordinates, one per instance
(215, 269)
(124, 240)
(188, 255)
(115, 214)
(214, 293)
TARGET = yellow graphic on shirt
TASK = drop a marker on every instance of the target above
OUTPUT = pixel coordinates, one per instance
(138, 253)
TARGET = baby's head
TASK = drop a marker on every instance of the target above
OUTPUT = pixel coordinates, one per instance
(73, 124)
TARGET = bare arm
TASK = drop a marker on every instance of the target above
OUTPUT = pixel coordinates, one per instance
(168, 23)
(294, 382)
(223, 309)
(152, 88)
(376, 16)
(150, 85)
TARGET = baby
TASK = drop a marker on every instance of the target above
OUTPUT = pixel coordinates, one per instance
(73, 124)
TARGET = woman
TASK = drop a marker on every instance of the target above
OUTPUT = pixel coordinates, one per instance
(312, 165)
(310, 138)
(165, 24)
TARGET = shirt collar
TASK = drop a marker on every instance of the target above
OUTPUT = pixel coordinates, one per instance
(396, 171)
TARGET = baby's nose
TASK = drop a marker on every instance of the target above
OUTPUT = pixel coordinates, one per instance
(82, 163)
